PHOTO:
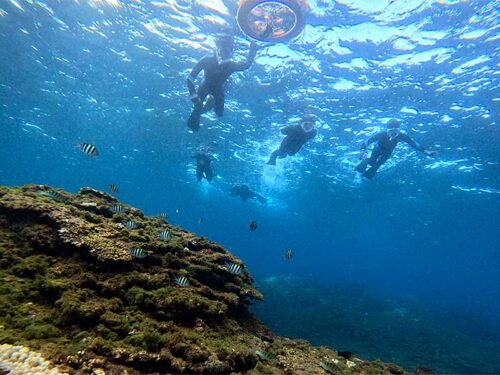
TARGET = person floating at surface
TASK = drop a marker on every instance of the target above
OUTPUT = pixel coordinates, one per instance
(245, 193)
(203, 165)
(217, 69)
(386, 141)
(296, 137)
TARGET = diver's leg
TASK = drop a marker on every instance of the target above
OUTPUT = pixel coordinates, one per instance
(199, 174)
(209, 174)
(219, 103)
(363, 164)
(209, 104)
(194, 119)
(361, 167)
(272, 158)
(261, 199)
(375, 165)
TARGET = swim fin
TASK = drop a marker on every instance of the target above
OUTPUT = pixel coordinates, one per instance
(194, 120)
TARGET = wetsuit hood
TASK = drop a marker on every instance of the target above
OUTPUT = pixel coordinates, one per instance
(393, 128)
(308, 122)
(224, 44)
(393, 124)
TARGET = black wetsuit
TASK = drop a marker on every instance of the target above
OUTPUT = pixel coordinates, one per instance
(245, 193)
(295, 138)
(382, 151)
(203, 166)
(213, 84)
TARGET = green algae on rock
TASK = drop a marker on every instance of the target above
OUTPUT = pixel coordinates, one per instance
(72, 291)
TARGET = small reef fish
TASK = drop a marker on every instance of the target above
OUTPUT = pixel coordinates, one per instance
(253, 225)
(330, 368)
(266, 356)
(113, 188)
(117, 208)
(130, 224)
(164, 235)
(137, 252)
(163, 216)
(200, 220)
(88, 149)
(182, 281)
(177, 211)
(288, 254)
(234, 268)
(53, 194)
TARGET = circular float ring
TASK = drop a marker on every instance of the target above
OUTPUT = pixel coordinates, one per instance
(246, 7)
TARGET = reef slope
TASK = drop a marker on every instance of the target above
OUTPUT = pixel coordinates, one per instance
(72, 290)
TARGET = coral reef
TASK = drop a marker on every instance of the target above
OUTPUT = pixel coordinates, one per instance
(73, 291)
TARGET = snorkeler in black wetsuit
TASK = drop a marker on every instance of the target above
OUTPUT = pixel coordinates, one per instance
(203, 166)
(217, 69)
(386, 142)
(245, 193)
(296, 137)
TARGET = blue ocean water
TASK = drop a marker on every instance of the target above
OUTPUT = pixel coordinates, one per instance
(404, 267)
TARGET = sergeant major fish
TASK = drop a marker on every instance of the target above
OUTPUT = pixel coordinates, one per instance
(137, 252)
(182, 281)
(130, 224)
(88, 149)
(164, 235)
(117, 208)
(234, 268)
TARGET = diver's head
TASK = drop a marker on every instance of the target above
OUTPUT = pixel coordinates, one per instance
(224, 44)
(308, 126)
(393, 128)
(308, 122)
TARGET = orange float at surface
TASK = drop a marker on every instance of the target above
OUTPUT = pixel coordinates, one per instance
(272, 20)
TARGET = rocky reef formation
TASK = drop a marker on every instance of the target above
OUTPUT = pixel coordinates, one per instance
(95, 293)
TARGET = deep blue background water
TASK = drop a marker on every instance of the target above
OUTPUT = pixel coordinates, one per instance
(423, 236)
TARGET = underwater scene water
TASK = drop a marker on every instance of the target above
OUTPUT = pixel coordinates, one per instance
(403, 266)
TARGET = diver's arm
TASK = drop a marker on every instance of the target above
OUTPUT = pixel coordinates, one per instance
(369, 141)
(408, 140)
(241, 66)
(200, 65)
(312, 134)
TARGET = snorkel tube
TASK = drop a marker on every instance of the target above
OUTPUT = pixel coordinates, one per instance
(272, 20)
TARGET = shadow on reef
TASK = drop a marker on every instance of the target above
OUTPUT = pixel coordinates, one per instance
(393, 330)
(74, 289)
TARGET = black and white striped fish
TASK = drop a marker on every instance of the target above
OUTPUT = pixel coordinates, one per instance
(117, 208)
(53, 194)
(163, 216)
(288, 254)
(130, 224)
(182, 281)
(137, 252)
(88, 149)
(330, 368)
(234, 268)
(164, 235)
(266, 356)
(114, 188)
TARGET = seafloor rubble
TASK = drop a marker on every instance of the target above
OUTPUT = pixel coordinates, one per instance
(72, 292)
